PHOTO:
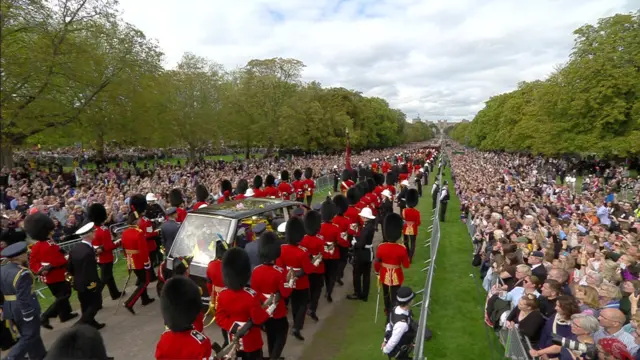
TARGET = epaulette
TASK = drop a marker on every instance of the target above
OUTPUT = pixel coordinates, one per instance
(336, 225)
(104, 228)
(250, 291)
(303, 248)
(200, 338)
(278, 268)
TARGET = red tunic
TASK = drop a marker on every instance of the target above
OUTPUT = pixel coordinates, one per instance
(309, 185)
(285, 190)
(342, 223)
(200, 204)
(330, 234)
(239, 197)
(411, 218)
(402, 177)
(354, 221)
(296, 258)
(183, 345)
(345, 185)
(215, 282)
(315, 246)
(238, 306)
(390, 258)
(270, 191)
(181, 215)
(270, 279)
(135, 248)
(298, 188)
(374, 167)
(47, 252)
(258, 193)
(378, 193)
(147, 227)
(198, 324)
(102, 237)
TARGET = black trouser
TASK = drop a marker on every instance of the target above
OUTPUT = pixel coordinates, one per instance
(342, 263)
(142, 281)
(362, 279)
(254, 355)
(61, 306)
(155, 257)
(389, 293)
(90, 302)
(443, 210)
(330, 274)
(434, 201)
(29, 342)
(316, 282)
(335, 185)
(419, 185)
(299, 302)
(106, 272)
(410, 244)
(277, 331)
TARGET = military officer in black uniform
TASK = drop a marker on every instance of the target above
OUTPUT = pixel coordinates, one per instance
(20, 305)
(84, 269)
(363, 257)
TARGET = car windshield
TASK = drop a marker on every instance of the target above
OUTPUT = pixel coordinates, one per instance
(197, 237)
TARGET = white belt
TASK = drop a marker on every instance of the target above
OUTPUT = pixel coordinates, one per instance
(294, 269)
(368, 246)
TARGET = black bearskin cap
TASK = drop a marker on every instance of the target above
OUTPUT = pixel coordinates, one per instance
(346, 175)
(78, 342)
(221, 248)
(396, 170)
(392, 227)
(139, 203)
(354, 174)
(379, 179)
(371, 184)
(294, 231)
(363, 188)
(284, 175)
(341, 203)
(391, 179)
(97, 214)
(225, 186)
(257, 182)
(404, 169)
(269, 247)
(362, 174)
(242, 186)
(38, 226)
(297, 174)
(201, 193)
(175, 197)
(312, 222)
(327, 211)
(270, 180)
(180, 302)
(308, 173)
(236, 269)
(353, 195)
(412, 198)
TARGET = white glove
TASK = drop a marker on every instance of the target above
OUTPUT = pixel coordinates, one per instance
(28, 319)
(353, 242)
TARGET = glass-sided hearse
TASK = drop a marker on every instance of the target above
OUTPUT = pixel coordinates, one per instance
(230, 221)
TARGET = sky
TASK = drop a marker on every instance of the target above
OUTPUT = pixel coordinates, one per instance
(439, 59)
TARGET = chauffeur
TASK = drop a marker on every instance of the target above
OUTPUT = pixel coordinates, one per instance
(19, 303)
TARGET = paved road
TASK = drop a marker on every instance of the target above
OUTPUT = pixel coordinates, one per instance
(134, 337)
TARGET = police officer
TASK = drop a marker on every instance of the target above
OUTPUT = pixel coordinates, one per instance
(20, 304)
(444, 199)
(400, 331)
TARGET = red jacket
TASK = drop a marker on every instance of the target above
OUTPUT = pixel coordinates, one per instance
(181, 215)
(200, 204)
(354, 221)
(297, 258)
(298, 187)
(386, 167)
(345, 185)
(258, 193)
(149, 234)
(330, 234)
(215, 282)
(285, 189)
(102, 237)
(184, 345)
(343, 224)
(308, 185)
(411, 218)
(270, 191)
(315, 246)
(390, 259)
(270, 279)
(135, 248)
(47, 252)
(238, 306)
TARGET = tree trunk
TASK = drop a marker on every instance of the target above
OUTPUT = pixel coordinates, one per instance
(247, 151)
(270, 146)
(192, 154)
(6, 155)
(100, 147)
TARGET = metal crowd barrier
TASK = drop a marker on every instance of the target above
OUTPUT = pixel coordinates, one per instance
(429, 268)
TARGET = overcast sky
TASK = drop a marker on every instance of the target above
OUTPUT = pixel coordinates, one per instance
(441, 59)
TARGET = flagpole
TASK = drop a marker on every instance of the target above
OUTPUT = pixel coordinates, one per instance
(348, 152)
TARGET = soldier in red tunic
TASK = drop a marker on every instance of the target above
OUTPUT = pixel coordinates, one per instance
(353, 197)
(258, 192)
(330, 234)
(346, 183)
(180, 304)
(309, 185)
(225, 191)
(315, 247)
(240, 310)
(215, 281)
(135, 248)
(390, 181)
(298, 185)
(145, 224)
(241, 189)
(343, 223)
(269, 279)
(285, 189)
(270, 190)
(104, 245)
(411, 218)
(296, 260)
(177, 200)
(48, 261)
(391, 257)
(202, 194)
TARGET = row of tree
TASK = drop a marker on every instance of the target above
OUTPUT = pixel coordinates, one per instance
(74, 72)
(590, 105)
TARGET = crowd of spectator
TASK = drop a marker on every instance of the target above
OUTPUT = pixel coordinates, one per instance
(557, 257)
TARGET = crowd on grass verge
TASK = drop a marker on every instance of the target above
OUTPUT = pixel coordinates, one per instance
(555, 261)
(65, 196)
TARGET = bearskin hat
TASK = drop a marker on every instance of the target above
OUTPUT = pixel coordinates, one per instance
(78, 342)
(139, 203)
(270, 180)
(312, 222)
(242, 186)
(354, 174)
(363, 188)
(346, 175)
(327, 211)
(379, 179)
(284, 175)
(308, 173)
(236, 269)
(404, 169)
(269, 247)
(175, 197)
(257, 182)
(341, 203)
(297, 174)
(371, 184)
(362, 174)
(180, 303)
(353, 195)
(225, 186)
(392, 227)
(395, 169)
(294, 232)
(97, 214)
(38, 226)
(201, 193)
(390, 178)
(412, 198)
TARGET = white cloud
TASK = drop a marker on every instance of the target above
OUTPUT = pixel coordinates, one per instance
(438, 58)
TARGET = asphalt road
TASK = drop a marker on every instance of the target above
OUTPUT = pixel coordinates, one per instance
(134, 337)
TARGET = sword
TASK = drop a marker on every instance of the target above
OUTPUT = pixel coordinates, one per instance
(377, 301)
(122, 295)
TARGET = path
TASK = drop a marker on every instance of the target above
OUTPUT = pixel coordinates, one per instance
(134, 337)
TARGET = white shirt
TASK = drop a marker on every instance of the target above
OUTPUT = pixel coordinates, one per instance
(443, 193)
(626, 338)
(399, 329)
